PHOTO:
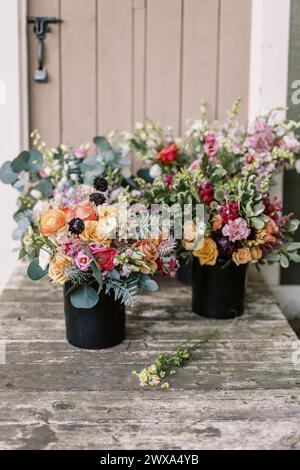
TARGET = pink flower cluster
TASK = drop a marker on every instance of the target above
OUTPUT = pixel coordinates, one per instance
(236, 229)
(263, 139)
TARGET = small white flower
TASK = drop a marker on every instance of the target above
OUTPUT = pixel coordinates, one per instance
(155, 171)
(36, 194)
(38, 209)
(44, 259)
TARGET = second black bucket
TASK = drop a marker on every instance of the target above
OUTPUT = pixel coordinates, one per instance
(217, 291)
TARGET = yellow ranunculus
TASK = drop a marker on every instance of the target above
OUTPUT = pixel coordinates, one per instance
(241, 256)
(57, 268)
(208, 253)
(92, 234)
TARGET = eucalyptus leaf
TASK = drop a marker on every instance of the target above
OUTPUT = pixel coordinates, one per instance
(84, 297)
(34, 271)
(46, 188)
(258, 209)
(293, 225)
(20, 163)
(7, 175)
(102, 143)
(292, 246)
(284, 261)
(35, 162)
(294, 257)
(257, 222)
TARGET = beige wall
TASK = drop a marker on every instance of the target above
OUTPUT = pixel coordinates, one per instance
(13, 119)
(113, 62)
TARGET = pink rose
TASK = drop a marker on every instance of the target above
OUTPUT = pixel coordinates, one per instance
(105, 257)
(82, 261)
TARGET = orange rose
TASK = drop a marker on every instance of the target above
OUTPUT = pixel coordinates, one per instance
(85, 211)
(52, 221)
(57, 268)
(208, 253)
(150, 254)
(256, 254)
(241, 256)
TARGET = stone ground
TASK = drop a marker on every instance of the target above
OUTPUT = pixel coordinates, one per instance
(241, 391)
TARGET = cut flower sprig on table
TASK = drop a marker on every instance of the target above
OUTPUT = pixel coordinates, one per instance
(165, 365)
(78, 241)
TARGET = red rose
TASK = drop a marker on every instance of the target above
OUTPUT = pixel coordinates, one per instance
(168, 154)
(104, 256)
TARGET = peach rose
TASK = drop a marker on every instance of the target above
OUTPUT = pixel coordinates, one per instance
(52, 221)
(241, 256)
(85, 211)
(208, 253)
(217, 223)
(57, 268)
(91, 234)
(192, 239)
(256, 254)
(150, 254)
(270, 230)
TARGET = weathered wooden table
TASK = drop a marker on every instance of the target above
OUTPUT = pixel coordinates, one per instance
(241, 391)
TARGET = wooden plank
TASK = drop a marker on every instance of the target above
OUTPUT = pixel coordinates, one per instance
(78, 71)
(234, 56)
(144, 351)
(200, 49)
(114, 55)
(205, 435)
(163, 62)
(44, 98)
(32, 408)
(206, 375)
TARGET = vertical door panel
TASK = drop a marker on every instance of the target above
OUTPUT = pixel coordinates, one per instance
(200, 53)
(163, 61)
(234, 54)
(78, 71)
(114, 46)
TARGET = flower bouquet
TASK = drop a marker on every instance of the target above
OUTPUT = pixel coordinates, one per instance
(97, 250)
(37, 173)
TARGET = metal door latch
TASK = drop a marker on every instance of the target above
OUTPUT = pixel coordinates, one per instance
(41, 28)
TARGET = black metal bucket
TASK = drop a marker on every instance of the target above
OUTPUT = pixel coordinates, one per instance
(218, 292)
(185, 273)
(99, 327)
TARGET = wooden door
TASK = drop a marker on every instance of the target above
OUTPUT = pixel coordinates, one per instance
(113, 62)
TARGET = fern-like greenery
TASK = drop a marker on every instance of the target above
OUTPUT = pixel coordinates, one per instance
(124, 290)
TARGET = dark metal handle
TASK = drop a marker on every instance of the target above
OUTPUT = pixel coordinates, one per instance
(41, 28)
